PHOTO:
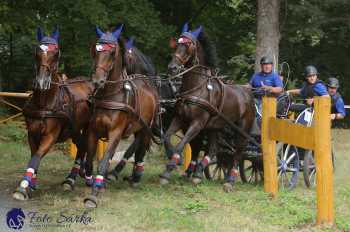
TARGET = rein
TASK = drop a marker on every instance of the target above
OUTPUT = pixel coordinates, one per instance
(187, 96)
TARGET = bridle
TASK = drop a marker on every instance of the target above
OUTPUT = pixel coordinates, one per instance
(106, 70)
(50, 67)
(190, 46)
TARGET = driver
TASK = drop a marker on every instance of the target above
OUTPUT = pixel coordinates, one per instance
(266, 80)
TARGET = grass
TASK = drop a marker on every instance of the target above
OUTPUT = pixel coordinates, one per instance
(177, 207)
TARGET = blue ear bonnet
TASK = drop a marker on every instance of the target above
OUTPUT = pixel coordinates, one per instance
(108, 37)
(48, 40)
(53, 39)
(192, 35)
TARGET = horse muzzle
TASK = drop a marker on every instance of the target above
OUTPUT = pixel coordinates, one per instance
(174, 68)
(42, 83)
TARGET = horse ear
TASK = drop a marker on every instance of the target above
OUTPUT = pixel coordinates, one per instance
(116, 32)
(185, 27)
(39, 34)
(196, 32)
(55, 34)
(172, 43)
(99, 32)
(130, 43)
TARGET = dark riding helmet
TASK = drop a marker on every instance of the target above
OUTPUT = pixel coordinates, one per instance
(333, 82)
(266, 60)
(310, 70)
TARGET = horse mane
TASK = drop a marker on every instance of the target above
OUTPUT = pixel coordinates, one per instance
(122, 51)
(209, 50)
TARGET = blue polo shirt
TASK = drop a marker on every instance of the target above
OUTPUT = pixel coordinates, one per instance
(339, 105)
(269, 79)
(319, 89)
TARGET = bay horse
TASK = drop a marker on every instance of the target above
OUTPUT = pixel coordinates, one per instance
(122, 106)
(57, 110)
(137, 63)
(206, 105)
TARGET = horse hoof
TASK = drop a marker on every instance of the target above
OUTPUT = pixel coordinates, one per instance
(82, 173)
(90, 202)
(89, 182)
(163, 181)
(111, 177)
(20, 195)
(67, 186)
(135, 184)
(228, 187)
(196, 180)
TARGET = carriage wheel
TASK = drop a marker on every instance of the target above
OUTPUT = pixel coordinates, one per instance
(251, 171)
(214, 171)
(309, 169)
(287, 165)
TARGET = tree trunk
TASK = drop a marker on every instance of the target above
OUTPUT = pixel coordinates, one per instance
(268, 33)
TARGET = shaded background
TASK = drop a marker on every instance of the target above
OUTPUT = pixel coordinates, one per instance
(312, 32)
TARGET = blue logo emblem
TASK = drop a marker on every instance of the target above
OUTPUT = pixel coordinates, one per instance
(15, 218)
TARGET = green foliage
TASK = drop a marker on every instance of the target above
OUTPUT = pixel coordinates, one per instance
(13, 131)
(312, 32)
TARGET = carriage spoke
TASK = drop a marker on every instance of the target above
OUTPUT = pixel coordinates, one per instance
(285, 154)
(290, 158)
(312, 177)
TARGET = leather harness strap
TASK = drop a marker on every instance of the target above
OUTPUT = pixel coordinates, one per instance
(214, 111)
(127, 108)
(61, 109)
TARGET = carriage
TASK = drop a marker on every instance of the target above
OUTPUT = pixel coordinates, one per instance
(291, 160)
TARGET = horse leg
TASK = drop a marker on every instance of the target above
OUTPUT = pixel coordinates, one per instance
(92, 140)
(78, 167)
(28, 183)
(144, 142)
(191, 132)
(114, 137)
(173, 128)
(232, 172)
(198, 175)
(196, 145)
(120, 166)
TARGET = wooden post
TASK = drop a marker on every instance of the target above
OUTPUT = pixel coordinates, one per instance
(187, 155)
(269, 147)
(72, 149)
(323, 159)
(101, 148)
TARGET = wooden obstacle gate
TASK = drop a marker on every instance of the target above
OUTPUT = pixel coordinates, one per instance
(316, 138)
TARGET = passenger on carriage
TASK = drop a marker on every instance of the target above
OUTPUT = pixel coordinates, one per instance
(311, 87)
(337, 107)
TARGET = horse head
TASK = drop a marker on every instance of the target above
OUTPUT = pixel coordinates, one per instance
(47, 56)
(105, 53)
(185, 50)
